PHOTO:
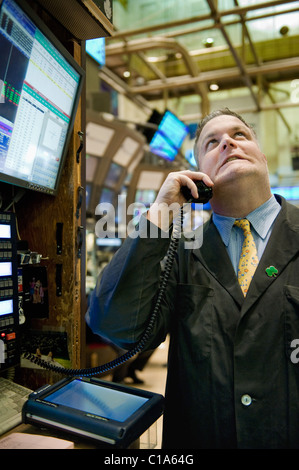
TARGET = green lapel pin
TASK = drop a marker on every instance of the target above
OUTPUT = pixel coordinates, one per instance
(271, 271)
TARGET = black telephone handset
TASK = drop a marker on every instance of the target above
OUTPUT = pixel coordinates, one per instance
(204, 193)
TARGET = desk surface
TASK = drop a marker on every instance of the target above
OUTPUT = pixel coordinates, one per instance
(78, 441)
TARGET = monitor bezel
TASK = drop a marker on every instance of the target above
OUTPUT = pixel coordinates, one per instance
(40, 24)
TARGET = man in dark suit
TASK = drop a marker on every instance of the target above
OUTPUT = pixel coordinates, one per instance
(233, 377)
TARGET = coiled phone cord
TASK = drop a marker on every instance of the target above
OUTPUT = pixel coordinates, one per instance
(170, 255)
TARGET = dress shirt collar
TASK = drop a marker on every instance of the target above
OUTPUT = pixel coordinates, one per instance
(261, 220)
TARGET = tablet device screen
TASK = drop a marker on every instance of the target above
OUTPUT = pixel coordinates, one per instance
(98, 400)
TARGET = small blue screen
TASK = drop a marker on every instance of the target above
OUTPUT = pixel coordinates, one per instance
(169, 136)
(96, 399)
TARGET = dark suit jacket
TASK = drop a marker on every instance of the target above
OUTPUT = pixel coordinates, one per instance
(231, 380)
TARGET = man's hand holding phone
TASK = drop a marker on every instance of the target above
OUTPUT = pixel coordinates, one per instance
(171, 197)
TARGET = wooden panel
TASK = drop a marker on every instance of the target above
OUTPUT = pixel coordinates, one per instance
(37, 216)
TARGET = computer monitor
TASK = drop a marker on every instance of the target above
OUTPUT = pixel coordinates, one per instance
(96, 49)
(291, 193)
(145, 196)
(114, 173)
(107, 195)
(40, 87)
(169, 135)
(189, 155)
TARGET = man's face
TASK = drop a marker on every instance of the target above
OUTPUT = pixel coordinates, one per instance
(227, 149)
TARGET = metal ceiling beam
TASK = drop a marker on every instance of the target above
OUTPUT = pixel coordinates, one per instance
(199, 81)
(238, 60)
(268, 107)
(151, 66)
(196, 19)
(121, 87)
(289, 129)
(258, 62)
(196, 29)
(221, 74)
(138, 45)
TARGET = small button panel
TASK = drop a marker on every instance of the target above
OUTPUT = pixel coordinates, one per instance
(9, 314)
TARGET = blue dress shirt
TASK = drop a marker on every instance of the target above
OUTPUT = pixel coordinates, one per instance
(261, 220)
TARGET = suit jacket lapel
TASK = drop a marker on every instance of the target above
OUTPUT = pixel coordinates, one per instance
(213, 255)
(282, 246)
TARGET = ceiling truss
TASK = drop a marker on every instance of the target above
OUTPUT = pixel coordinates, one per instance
(180, 73)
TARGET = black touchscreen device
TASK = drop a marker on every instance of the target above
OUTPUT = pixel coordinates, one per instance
(98, 400)
(110, 413)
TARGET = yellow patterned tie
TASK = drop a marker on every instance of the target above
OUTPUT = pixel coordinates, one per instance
(248, 259)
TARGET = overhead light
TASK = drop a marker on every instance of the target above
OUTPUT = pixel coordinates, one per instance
(140, 81)
(214, 87)
(127, 74)
(152, 59)
(155, 59)
(208, 42)
(284, 30)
